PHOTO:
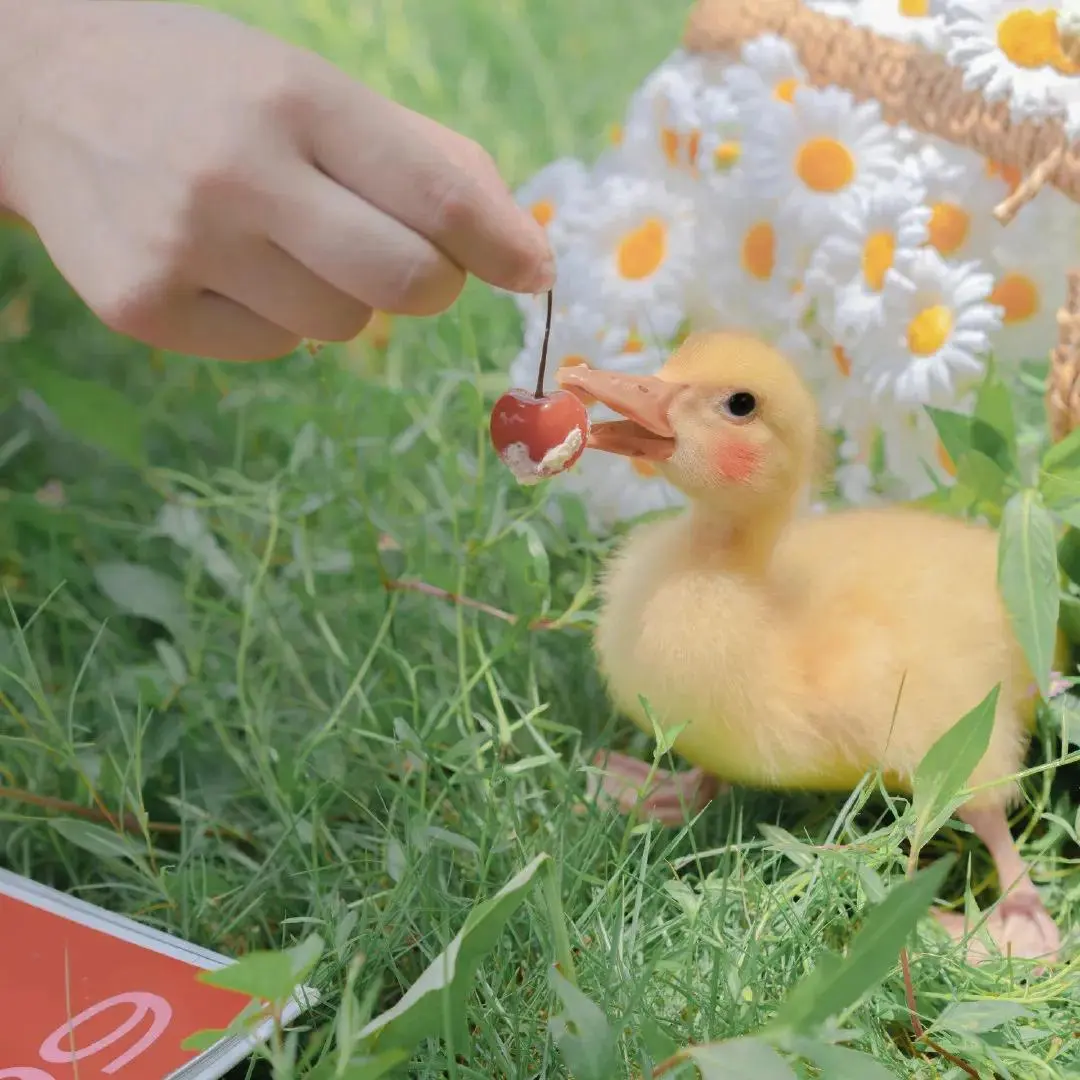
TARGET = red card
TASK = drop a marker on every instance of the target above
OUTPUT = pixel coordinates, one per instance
(79, 983)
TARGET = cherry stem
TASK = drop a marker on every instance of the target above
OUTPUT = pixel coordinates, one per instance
(543, 351)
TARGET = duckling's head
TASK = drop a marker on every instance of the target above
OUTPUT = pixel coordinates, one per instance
(727, 420)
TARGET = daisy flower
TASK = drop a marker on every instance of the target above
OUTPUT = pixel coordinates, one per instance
(1011, 52)
(614, 489)
(552, 188)
(903, 20)
(633, 245)
(579, 335)
(849, 266)
(962, 190)
(1029, 278)
(770, 71)
(819, 154)
(661, 131)
(719, 150)
(936, 326)
(752, 262)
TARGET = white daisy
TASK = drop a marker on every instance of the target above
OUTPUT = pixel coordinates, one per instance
(1029, 278)
(848, 268)
(661, 131)
(752, 262)
(633, 245)
(770, 71)
(579, 335)
(1011, 52)
(819, 154)
(614, 489)
(902, 20)
(552, 188)
(915, 460)
(935, 329)
(962, 190)
(837, 9)
(719, 150)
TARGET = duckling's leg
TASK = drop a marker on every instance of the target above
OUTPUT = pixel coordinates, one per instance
(667, 797)
(1020, 925)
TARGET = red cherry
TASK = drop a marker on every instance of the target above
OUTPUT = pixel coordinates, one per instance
(538, 437)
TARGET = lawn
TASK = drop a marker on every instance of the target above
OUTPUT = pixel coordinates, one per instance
(200, 664)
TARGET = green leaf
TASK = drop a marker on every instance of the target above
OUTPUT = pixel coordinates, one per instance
(1059, 475)
(1068, 554)
(739, 1059)
(1028, 578)
(440, 992)
(92, 412)
(994, 407)
(143, 592)
(837, 983)
(205, 1039)
(840, 1062)
(978, 1017)
(983, 476)
(97, 840)
(947, 766)
(954, 431)
(1069, 617)
(583, 1034)
(360, 1067)
(267, 974)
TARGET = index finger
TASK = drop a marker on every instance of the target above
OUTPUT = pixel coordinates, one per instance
(433, 180)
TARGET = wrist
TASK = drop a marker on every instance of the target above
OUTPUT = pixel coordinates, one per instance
(29, 35)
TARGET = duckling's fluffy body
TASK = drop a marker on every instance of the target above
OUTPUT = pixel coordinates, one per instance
(871, 632)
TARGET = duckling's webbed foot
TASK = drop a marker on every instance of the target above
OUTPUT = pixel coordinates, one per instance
(653, 794)
(1019, 923)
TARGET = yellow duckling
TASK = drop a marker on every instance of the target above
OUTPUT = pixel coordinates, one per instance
(799, 651)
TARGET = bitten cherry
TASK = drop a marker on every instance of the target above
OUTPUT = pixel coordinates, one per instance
(539, 435)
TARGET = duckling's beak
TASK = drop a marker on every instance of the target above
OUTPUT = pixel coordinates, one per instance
(644, 400)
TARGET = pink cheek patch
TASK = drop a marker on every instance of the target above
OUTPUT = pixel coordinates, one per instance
(736, 461)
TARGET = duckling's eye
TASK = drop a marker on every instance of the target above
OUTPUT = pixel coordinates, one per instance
(740, 406)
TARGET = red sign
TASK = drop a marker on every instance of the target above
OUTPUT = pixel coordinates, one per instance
(82, 1003)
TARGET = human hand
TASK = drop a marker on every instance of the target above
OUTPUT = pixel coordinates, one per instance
(210, 189)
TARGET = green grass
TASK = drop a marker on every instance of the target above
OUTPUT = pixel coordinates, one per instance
(370, 765)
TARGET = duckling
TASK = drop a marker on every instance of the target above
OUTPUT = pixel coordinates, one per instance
(791, 650)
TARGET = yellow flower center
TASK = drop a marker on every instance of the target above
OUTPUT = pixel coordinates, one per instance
(945, 460)
(1010, 175)
(634, 344)
(825, 165)
(785, 90)
(641, 252)
(615, 134)
(842, 360)
(1018, 295)
(674, 145)
(727, 155)
(877, 257)
(929, 330)
(543, 211)
(759, 250)
(1030, 39)
(949, 226)
(642, 468)
(914, 9)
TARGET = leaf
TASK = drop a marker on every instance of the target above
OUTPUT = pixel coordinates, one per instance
(360, 1067)
(994, 407)
(840, 1062)
(143, 592)
(439, 993)
(1028, 578)
(92, 412)
(947, 766)
(978, 1017)
(205, 1039)
(583, 1034)
(984, 477)
(954, 431)
(1059, 473)
(96, 839)
(739, 1059)
(837, 983)
(267, 974)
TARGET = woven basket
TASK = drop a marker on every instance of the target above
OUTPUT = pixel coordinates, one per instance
(919, 88)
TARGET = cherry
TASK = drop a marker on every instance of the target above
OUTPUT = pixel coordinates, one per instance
(539, 435)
